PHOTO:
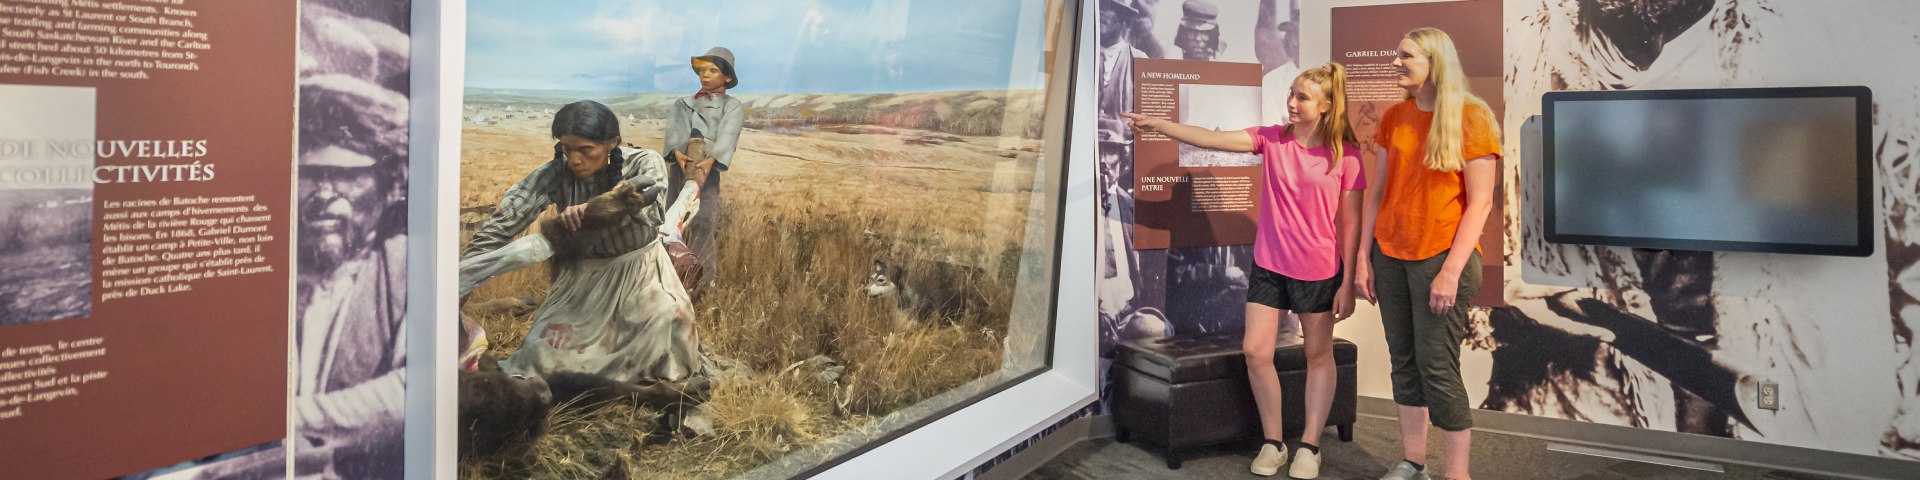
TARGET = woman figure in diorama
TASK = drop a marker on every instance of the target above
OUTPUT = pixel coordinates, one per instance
(718, 117)
(1304, 248)
(616, 309)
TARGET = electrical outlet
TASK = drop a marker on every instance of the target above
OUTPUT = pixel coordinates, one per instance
(1769, 395)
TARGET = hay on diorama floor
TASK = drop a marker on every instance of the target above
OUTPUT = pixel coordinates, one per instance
(788, 296)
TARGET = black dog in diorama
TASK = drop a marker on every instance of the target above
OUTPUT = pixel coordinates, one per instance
(505, 413)
(502, 413)
(944, 291)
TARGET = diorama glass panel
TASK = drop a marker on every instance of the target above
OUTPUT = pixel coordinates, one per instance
(704, 242)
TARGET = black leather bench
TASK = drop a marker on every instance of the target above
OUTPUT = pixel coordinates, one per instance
(1186, 392)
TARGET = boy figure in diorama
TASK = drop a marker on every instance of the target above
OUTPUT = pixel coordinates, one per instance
(717, 117)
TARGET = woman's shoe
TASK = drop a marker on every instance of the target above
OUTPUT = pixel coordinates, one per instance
(1404, 471)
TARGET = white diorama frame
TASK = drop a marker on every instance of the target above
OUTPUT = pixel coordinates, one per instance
(941, 447)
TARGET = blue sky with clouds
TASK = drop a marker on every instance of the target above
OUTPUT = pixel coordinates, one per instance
(783, 46)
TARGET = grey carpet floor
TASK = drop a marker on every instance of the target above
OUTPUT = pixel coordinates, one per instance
(1375, 448)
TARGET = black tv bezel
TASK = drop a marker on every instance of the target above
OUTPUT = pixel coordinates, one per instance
(1863, 112)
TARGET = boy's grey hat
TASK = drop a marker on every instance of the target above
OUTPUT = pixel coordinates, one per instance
(724, 59)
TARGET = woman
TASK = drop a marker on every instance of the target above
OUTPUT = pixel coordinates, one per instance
(616, 309)
(1307, 235)
(1438, 152)
(717, 117)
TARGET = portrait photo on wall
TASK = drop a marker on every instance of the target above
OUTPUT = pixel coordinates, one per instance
(744, 243)
(349, 382)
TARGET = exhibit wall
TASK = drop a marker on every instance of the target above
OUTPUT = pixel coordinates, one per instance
(208, 206)
(1578, 338)
(146, 179)
(1145, 288)
(349, 382)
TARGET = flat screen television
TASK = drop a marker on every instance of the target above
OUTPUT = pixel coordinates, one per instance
(1777, 170)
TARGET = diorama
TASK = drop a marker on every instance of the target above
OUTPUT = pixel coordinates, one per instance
(745, 242)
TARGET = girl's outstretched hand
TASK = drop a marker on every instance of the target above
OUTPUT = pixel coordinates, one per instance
(1145, 123)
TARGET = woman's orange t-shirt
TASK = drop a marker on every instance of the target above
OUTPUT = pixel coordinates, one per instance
(1422, 207)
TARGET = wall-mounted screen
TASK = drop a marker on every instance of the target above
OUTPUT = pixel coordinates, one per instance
(1780, 170)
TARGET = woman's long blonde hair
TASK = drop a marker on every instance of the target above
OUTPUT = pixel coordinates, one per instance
(1449, 83)
(1335, 131)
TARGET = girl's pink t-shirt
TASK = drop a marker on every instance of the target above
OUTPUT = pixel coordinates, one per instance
(1297, 235)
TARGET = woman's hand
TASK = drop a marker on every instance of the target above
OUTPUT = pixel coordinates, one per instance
(1363, 280)
(572, 215)
(1145, 123)
(1343, 303)
(1440, 295)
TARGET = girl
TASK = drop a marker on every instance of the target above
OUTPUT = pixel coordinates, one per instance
(1309, 214)
(1437, 158)
(616, 309)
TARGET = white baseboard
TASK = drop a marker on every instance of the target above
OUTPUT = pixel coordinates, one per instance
(1047, 448)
